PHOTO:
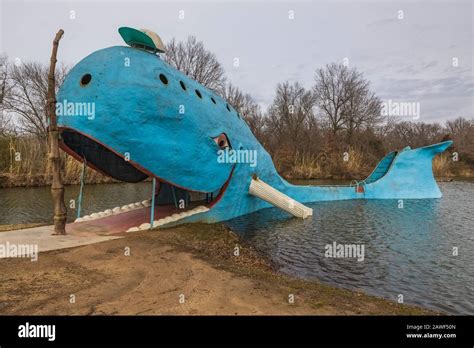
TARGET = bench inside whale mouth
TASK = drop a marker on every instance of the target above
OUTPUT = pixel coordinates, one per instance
(172, 203)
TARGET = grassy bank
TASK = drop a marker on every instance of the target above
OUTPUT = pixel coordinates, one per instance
(216, 245)
(24, 162)
(356, 168)
(359, 166)
(193, 262)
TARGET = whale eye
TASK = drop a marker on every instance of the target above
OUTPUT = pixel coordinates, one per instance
(222, 141)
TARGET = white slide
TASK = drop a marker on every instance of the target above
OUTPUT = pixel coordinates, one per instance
(264, 191)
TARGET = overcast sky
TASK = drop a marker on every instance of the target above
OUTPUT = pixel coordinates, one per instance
(408, 59)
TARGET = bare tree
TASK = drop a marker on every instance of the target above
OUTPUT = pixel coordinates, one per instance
(345, 100)
(5, 125)
(3, 77)
(362, 110)
(247, 108)
(291, 115)
(4, 120)
(461, 131)
(191, 58)
(27, 86)
(414, 134)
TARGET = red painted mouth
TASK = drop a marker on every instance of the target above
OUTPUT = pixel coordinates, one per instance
(170, 199)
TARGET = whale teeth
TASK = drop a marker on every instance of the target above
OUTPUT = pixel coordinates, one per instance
(167, 219)
(116, 210)
(175, 217)
(144, 226)
(146, 203)
(179, 216)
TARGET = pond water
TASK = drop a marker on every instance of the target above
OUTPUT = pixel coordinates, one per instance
(34, 204)
(408, 250)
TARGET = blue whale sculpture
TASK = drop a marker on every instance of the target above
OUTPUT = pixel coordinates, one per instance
(132, 116)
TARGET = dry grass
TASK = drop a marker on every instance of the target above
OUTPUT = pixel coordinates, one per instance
(445, 167)
(441, 165)
(349, 164)
(24, 162)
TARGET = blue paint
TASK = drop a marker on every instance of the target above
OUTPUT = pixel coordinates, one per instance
(136, 113)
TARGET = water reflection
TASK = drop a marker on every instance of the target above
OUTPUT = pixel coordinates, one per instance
(408, 250)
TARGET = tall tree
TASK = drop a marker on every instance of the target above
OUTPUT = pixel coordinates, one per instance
(461, 131)
(247, 107)
(193, 59)
(4, 121)
(291, 114)
(3, 77)
(344, 99)
(27, 95)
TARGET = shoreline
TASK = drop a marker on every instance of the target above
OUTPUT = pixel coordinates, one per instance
(41, 181)
(193, 262)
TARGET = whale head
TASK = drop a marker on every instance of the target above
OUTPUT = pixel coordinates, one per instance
(130, 115)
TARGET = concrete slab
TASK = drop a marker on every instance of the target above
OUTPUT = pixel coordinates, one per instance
(41, 236)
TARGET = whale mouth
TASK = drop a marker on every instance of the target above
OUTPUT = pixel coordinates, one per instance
(172, 202)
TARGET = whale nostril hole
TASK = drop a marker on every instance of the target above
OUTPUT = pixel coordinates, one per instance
(183, 86)
(163, 79)
(86, 79)
(213, 100)
(198, 93)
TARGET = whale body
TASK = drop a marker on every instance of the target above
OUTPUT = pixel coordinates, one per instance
(152, 121)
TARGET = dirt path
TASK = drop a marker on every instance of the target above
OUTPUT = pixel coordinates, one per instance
(191, 263)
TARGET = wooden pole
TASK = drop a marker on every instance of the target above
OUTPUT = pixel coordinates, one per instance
(57, 187)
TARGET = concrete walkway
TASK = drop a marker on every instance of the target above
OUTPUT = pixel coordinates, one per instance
(41, 236)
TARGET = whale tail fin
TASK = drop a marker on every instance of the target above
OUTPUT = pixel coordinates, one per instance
(406, 174)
